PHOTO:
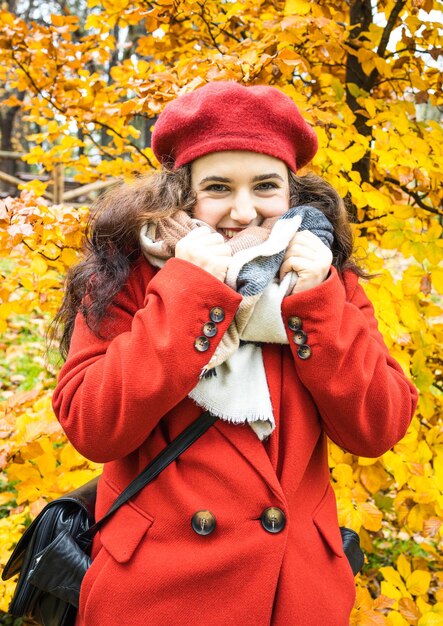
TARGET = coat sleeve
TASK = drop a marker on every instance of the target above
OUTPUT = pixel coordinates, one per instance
(365, 401)
(112, 392)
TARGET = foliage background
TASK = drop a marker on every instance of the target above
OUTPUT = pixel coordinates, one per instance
(82, 84)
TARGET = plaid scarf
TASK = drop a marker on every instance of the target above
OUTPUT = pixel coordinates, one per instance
(233, 383)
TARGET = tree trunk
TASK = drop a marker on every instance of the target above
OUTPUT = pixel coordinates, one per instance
(360, 18)
(8, 166)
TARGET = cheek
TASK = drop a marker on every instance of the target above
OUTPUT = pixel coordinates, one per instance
(275, 206)
(209, 210)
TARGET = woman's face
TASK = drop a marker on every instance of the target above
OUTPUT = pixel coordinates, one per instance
(236, 189)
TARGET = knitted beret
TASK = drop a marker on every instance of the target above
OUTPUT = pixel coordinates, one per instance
(229, 116)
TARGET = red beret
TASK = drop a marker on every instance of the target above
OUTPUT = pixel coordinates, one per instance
(229, 116)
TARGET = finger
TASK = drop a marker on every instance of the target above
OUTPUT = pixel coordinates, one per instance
(313, 249)
(308, 234)
(300, 265)
(308, 238)
(214, 238)
(289, 264)
(206, 237)
(299, 250)
(201, 231)
(217, 248)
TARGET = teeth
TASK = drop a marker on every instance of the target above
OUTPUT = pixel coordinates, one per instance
(229, 233)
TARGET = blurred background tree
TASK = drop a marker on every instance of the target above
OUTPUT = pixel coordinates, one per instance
(81, 86)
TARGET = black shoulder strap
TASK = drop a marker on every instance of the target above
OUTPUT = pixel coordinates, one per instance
(157, 465)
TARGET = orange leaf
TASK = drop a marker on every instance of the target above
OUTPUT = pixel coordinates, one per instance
(409, 610)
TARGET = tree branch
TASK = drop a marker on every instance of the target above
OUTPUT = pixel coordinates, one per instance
(398, 6)
(412, 49)
(227, 34)
(60, 110)
(208, 26)
(413, 194)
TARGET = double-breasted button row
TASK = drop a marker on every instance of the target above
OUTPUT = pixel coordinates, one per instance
(203, 522)
(272, 519)
(300, 337)
(209, 329)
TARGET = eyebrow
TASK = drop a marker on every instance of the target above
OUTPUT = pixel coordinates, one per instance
(256, 179)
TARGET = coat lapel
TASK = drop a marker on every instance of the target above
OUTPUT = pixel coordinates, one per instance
(282, 460)
(244, 439)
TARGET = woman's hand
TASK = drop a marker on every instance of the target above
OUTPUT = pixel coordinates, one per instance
(207, 249)
(309, 257)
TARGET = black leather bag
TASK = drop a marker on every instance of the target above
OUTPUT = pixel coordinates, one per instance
(50, 562)
(53, 554)
(351, 548)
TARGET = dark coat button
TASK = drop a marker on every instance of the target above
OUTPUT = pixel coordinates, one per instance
(217, 314)
(203, 522)
(294, 322)
(209, 329)
(300, 337)
(273, 519)
(201, 344)
(304, 352)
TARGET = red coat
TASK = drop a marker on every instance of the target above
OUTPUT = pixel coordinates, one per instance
(122, 400)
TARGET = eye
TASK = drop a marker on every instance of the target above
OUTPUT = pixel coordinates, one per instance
(217, 187)
(266, 186)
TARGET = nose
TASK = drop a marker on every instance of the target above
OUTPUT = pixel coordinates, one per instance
(243, 209)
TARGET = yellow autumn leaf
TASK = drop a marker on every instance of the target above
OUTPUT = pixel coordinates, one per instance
(297, 7)
(70, 458)
(433, 618)
(57, 20)
(348, 514)
(94, 21)
(51, 251)
(371, 516)
(75, 478)
(373, 478)
(6, 309)
(69, 256)
(392, 239)
(31, 450)
(403, 566)
(390, 590)
(362, 460)
(36, 186)
(342, 473)
(425, 489)
(392, 576)
(418, 582)
(39, 265)
(415, 519)
(437, 279)
(46, 463)
(395, 618)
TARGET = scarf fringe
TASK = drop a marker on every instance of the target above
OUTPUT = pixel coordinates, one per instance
(209, 374)
(237, 418)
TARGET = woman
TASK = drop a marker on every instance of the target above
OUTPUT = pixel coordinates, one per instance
(256, 318)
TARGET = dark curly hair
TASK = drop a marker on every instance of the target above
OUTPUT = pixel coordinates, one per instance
(112, 239)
